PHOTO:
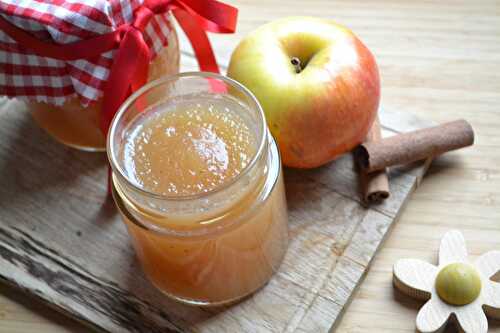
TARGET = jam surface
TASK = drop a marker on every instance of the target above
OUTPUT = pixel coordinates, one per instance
(189, 147)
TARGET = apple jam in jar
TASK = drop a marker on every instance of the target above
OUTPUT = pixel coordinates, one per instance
(197, 179)
(78, 126)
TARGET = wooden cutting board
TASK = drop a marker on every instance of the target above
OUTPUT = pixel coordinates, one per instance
(61, 240)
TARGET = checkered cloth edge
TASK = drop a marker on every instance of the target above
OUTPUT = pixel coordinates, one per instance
(27, 76)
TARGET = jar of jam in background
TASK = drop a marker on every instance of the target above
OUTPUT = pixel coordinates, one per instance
(79, 127)
(197, 179)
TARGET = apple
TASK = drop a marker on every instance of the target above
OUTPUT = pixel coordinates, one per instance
(317, 83)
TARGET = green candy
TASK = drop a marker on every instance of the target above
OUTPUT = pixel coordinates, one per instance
(458, 284)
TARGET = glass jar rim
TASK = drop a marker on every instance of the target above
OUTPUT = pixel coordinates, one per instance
(122, 110)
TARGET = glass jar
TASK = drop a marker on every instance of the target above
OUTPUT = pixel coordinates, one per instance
(79, 127)
(222, 244)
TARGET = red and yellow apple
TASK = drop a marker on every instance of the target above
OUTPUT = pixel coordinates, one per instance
(317, 83)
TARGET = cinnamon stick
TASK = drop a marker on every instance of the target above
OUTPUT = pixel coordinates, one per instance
(375, 185)
(414, 146)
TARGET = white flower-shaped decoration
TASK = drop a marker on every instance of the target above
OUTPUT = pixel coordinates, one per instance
(470, 285)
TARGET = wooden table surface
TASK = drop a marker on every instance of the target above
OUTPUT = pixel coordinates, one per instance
(438, 59)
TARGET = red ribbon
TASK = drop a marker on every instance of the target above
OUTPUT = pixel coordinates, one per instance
(130, 66)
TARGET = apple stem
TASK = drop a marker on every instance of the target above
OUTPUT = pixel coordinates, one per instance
(296, 63)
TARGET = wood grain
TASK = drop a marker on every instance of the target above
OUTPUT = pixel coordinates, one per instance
(438, 60)
(62, 241)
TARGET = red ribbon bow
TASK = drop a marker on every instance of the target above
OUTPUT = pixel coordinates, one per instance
(130, 66)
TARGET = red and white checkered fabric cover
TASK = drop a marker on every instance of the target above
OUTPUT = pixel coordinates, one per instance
(25, 75)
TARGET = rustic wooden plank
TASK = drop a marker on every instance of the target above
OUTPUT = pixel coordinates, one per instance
(60, 240)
